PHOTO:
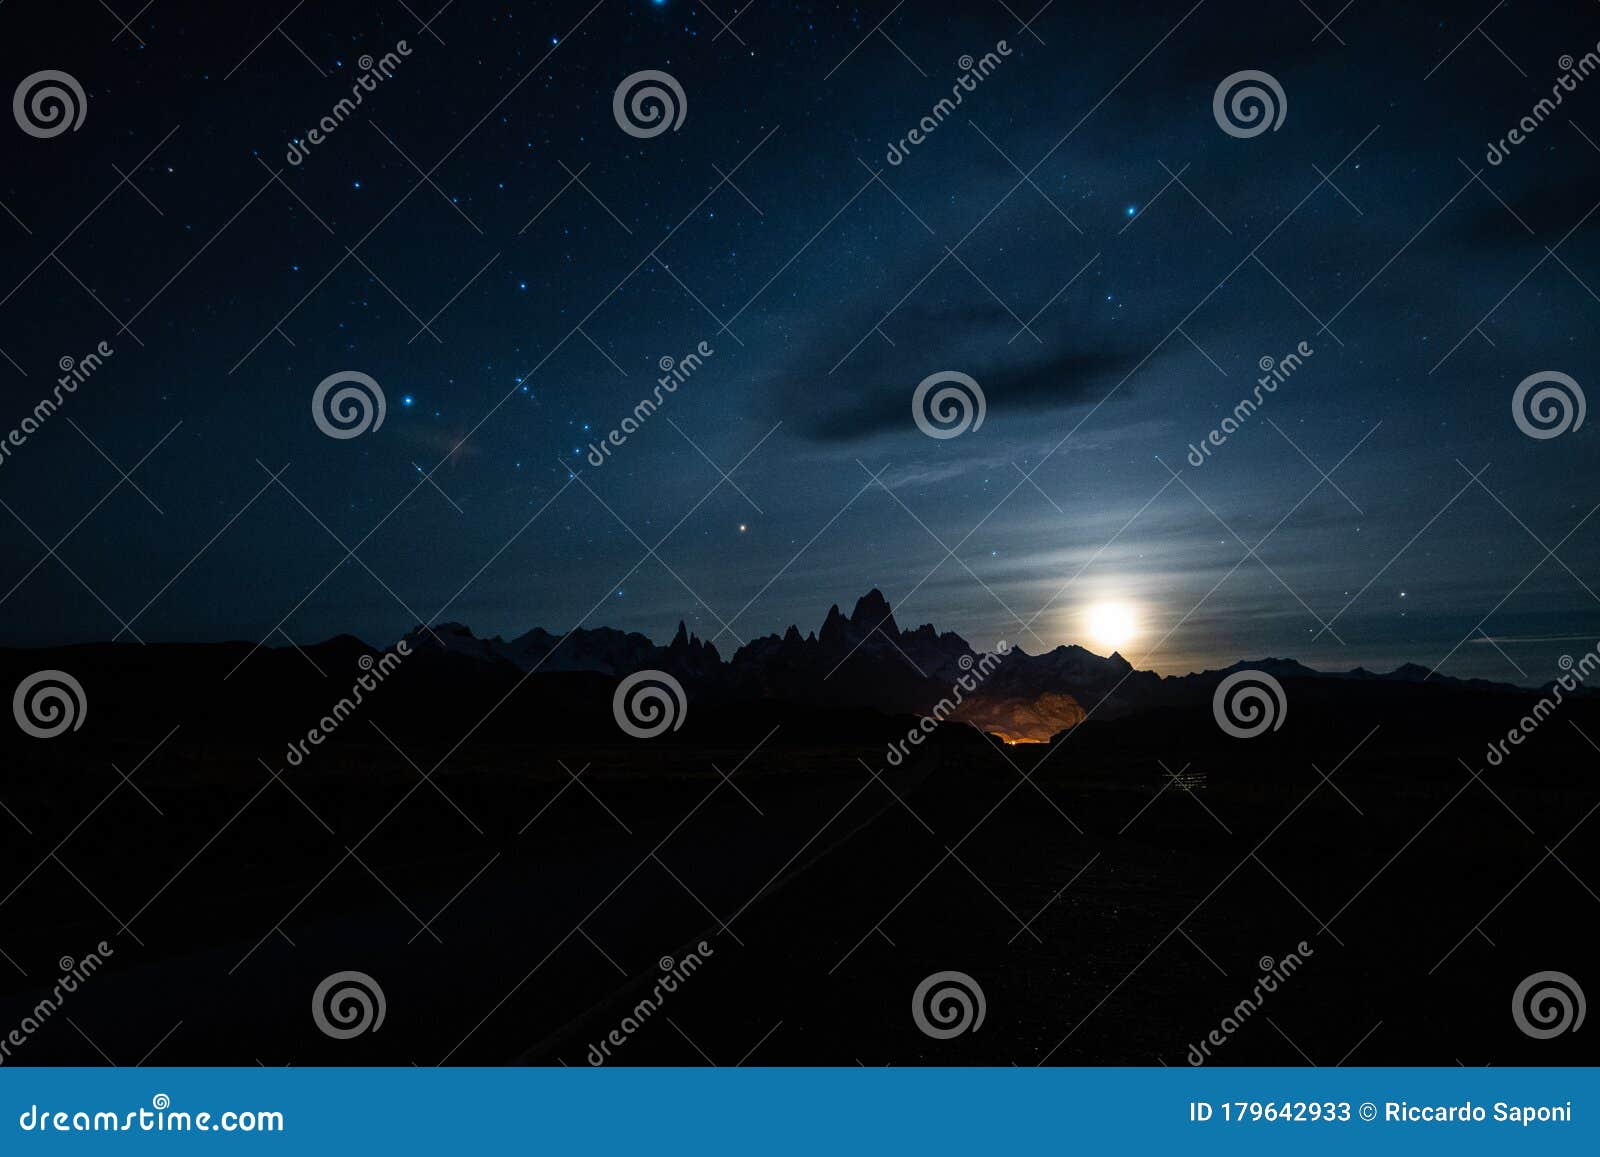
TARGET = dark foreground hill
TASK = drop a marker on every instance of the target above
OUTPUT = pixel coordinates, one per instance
(478, 834)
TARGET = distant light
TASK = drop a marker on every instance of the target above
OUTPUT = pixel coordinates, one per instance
(743, 528)
(408, 400)
(1131, 210)
(356, 184)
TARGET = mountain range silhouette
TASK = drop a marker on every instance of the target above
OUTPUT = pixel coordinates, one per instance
(866, 660)
(859, 670)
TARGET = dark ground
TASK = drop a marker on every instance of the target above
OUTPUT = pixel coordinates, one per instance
(1110, 914)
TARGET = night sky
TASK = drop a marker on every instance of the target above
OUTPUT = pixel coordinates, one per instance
(521, 265)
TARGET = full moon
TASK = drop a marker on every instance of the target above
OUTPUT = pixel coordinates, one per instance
(1112, 625)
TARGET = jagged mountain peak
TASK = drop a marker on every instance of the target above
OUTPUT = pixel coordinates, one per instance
(866, 660)
(872, 610)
